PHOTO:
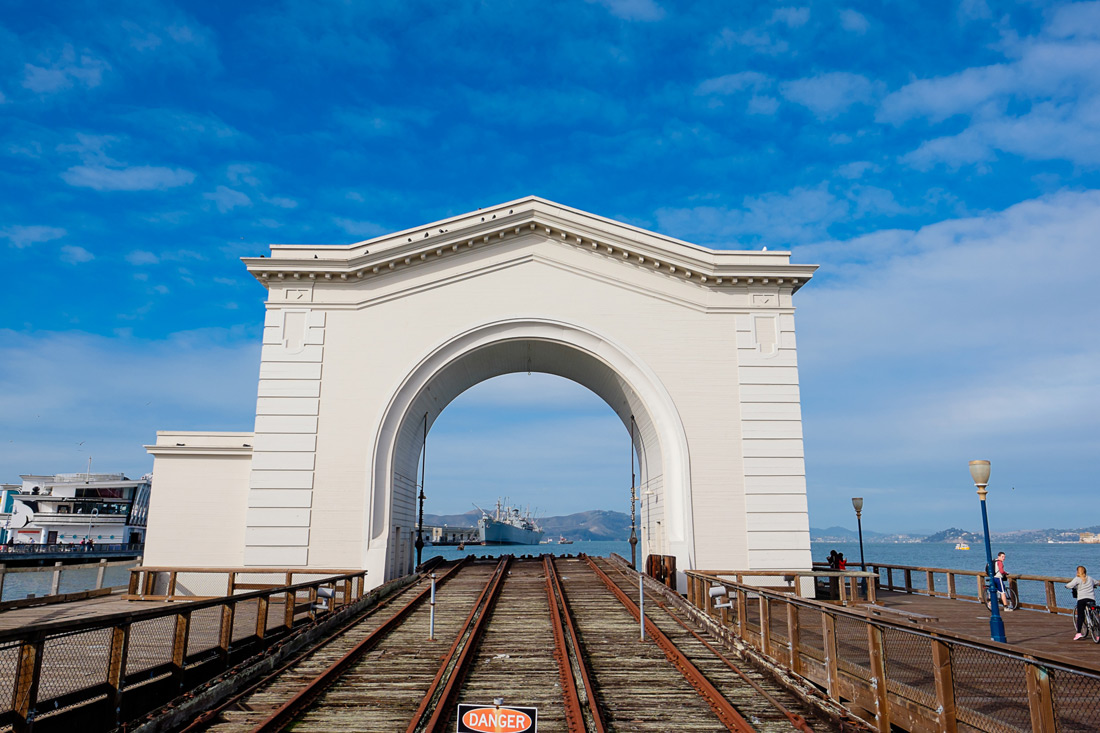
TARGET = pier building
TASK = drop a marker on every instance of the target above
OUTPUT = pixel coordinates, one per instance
(365, 344)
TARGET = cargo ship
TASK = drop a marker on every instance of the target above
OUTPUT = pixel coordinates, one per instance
(508, 526)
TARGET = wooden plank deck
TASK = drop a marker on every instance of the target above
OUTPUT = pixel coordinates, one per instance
(1030, 631)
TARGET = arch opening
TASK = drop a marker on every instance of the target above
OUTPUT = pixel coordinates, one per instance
(631, 391)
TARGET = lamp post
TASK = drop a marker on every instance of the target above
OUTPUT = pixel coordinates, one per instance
(857, 504)
(633, 500)
(979, 471)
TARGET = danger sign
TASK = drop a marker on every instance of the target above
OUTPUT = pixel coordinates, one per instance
(493, 719)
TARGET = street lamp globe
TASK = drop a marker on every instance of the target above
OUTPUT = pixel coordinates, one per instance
(979, 471)
(857, 502)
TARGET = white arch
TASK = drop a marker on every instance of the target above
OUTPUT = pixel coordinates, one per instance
(610, 370)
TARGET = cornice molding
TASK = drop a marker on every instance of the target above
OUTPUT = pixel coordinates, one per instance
(533, 216)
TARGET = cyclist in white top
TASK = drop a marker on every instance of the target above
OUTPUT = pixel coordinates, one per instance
(1085, 587)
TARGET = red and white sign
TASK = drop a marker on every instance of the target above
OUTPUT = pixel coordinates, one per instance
(494, 719)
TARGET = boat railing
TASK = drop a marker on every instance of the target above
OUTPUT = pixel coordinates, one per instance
(99, 671)
(61, 548)
(954, 583)
(888, 668)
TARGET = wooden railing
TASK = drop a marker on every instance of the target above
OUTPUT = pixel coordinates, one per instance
(100, 671)
(848, 584)
(886, 668)
(56, 572)
(900, 578)
(203, 583)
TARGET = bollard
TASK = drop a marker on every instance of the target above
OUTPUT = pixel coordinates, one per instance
(431, 617)
(99, 575)
(641, 608)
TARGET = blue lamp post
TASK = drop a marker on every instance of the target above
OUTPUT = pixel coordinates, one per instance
(979, 471)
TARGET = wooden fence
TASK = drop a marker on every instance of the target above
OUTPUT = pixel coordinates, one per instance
(888, 670)
(924, 581)
(101, 671)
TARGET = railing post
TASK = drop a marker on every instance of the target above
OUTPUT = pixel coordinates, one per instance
(347, 591)
(27, 675)
(930, 577)
(135, 579)
(793, 642)
(179, 647)
(951, 586)
(828, 632)
(3, 572)
(225, 631)
(1052, 599)
(877, 652)
(232, 584)
(945, 686)
(116, 669)
(981, 588)
(100, 573)
(742, 614)
(872, 590)
(313, 603)
(1039, 700)
(261, 616)
(843, 590)
(889, 578)
(908, 580)
(291, 600)
(765, 625)
(171, 592)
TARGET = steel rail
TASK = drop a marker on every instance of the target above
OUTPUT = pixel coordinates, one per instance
(456, 660)
(574, 713)
(726, 712)
(795, 719)
(293, 707)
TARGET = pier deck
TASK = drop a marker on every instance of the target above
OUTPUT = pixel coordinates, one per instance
(1041, 632)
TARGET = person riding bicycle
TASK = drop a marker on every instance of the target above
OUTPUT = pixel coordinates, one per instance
(1084, 590)
(1000, 575)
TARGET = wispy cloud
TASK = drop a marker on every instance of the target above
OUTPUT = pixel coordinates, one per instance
(829, 94)
(646, 10)
(24, 236)
(227, 199)
(64, 71)
(133, 178)
(75, 254)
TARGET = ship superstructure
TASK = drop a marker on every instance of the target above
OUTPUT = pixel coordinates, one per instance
(507, 525)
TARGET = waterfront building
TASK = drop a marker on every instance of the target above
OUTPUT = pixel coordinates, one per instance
(66, 508)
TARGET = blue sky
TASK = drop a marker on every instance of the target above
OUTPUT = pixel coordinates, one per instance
(940, 161)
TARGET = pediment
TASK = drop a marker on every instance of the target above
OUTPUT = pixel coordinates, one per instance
(493, 226)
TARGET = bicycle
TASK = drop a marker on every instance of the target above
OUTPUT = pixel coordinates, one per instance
(1092, 622)
(1011, 602)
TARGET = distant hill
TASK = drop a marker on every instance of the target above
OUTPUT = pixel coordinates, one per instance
(841, 533)
(954, 534)
(597, 524)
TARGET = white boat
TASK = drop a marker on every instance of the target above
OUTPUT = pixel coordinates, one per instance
(962, 546)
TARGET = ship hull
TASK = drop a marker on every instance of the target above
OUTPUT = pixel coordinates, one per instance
(499, 533)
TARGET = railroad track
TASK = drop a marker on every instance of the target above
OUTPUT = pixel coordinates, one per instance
(559, 634)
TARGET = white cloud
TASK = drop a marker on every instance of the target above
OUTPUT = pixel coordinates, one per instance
(829, 94)
(791, 17)
(134, 178)
(974, 337)
(853, 21)
(732, 83)
(66, 71)
(281, 201)
(141, 257)
(24, 236)
(757, 40)
(358, 228)
(227, 199)
(632, 9)
(75, 255)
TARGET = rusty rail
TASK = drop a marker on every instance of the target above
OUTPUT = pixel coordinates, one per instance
(458, 658)
(317, 686)
(569, 652)
(900, 674)
(726, 713)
